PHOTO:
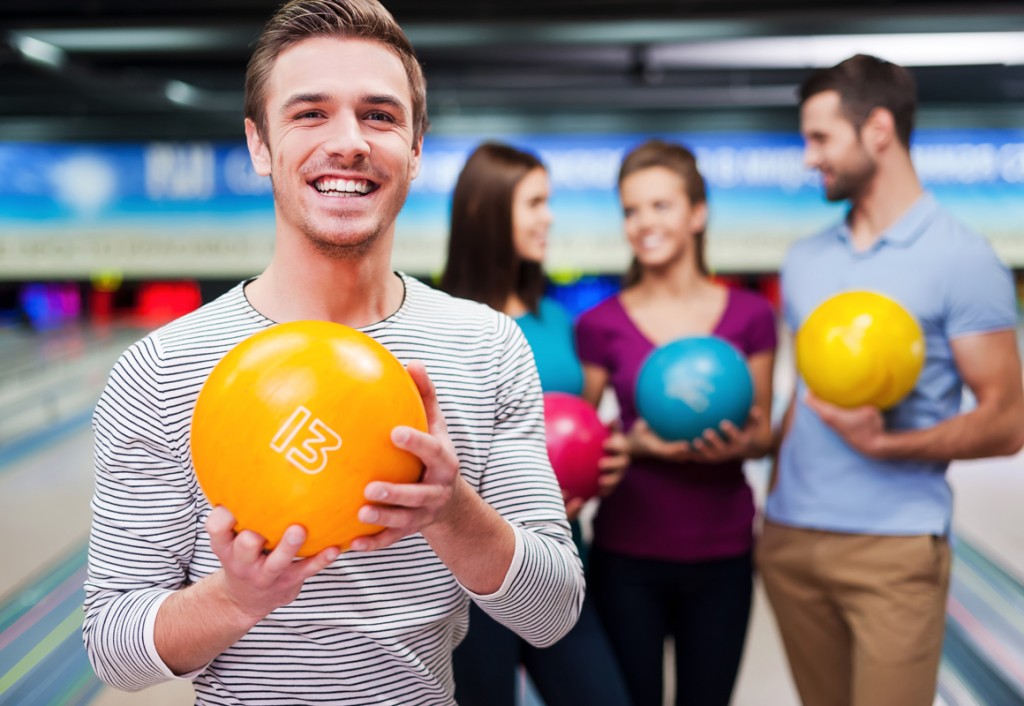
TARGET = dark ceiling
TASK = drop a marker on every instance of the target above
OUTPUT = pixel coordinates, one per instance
(172, 69)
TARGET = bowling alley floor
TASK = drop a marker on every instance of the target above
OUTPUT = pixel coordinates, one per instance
(46, 483)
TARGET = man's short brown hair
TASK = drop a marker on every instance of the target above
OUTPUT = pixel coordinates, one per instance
(351, 19)
(864, 83)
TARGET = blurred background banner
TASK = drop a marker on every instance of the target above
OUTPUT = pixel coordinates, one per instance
(178, 209)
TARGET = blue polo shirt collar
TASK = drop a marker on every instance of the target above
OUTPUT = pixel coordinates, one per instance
(907, 229)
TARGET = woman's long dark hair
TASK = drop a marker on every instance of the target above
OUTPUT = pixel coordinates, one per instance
(482, 262)
(681, 161)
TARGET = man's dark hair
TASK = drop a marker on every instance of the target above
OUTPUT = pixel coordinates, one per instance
(299, 20)
(864, 83)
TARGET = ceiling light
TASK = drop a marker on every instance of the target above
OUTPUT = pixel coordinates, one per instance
(182, 93)
(938, 49)
(113, 40)
(38, 51)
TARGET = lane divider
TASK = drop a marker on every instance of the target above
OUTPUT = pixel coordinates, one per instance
(36, 590)
(49, 602)
(42, 658)
(984, 646)
(71, 624)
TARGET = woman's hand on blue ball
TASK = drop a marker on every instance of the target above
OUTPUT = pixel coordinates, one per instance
(728, 441)
(714, 446)
(644, 442)
(725, 443)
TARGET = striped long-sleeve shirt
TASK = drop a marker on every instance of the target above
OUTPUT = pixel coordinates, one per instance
(374, 627)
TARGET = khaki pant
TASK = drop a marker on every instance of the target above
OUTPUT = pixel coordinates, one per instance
(862, 617)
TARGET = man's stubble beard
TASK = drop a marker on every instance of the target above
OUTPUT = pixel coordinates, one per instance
(848, 185)
(335, 250)
(327, 245)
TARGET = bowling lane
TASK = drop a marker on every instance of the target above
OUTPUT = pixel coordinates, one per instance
(988, 497)
(48, 386)
(44, 507)
(44, 504)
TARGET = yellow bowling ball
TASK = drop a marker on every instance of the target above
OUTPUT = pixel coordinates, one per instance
(860, 348)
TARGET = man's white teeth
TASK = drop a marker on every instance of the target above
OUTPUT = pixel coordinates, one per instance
(349, 186)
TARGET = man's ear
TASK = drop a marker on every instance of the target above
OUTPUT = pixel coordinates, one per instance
(417, 155)
(259, 152)
(879, 130)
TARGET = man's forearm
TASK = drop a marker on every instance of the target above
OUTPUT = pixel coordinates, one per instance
(196, 624)
(473, 541)
(980, 433)
(989, 365)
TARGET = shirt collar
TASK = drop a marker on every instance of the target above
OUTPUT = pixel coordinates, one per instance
(905, 230)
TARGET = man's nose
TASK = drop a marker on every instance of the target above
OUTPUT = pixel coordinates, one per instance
(345, 138)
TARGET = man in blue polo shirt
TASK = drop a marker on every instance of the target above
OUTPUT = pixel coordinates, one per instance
(854, 553)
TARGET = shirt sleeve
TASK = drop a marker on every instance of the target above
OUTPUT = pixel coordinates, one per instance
(144, 525)
(541, 596)
(762, 333)
(590, 344)
(981, 294)
(789, 313)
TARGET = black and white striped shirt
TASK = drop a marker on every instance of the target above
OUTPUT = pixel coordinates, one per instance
(374, 627)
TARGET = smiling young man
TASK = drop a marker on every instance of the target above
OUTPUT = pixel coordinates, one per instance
(854, 553)
(335, 116)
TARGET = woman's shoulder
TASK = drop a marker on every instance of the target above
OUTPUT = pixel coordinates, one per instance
(549, 308)
(751, 317)
(606, 310)
(749, 304)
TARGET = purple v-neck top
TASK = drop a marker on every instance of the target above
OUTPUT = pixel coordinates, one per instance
(664, 510)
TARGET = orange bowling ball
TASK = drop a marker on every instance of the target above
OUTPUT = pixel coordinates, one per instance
(293, 423)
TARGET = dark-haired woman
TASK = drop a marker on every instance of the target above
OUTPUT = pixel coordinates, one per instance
(499, 228)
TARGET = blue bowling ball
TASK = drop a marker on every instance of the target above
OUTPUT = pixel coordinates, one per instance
(693, 384)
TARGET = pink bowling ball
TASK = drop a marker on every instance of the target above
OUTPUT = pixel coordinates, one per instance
(575, 443)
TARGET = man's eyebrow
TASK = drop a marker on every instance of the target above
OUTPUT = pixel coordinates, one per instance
(388, 100)
(384, 99)
(301, 98)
